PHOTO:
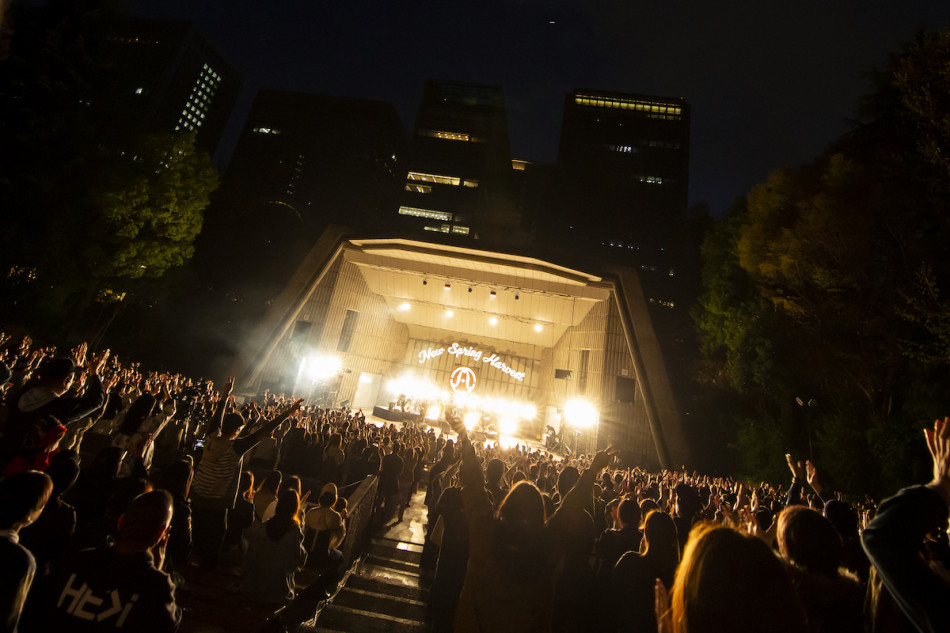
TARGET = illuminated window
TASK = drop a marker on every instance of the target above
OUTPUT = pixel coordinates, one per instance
(434, 178)
(656, 109)
(425, 213)
(419, 188)
(448, 136)
(266, 130)
(460, 230)
(444, 228)
(138, 91)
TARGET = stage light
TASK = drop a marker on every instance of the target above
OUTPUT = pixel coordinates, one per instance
(492, 295)
(403, 307)
(447, 286)
(493, 320)
(471, 419)
(517, 297)
(425, 281)
(580, 413)
(449, 313)
(434, 412)
(320, 367)
(470, 289)
(537, 327)
(507, 426)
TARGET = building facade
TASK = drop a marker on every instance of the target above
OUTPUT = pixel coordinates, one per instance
(505, 337)
(171, 79)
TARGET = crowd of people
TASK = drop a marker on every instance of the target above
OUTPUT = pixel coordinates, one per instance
(116, 481)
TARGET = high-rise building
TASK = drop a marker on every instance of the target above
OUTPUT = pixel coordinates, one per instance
(458, 172)
(302, 161)
(170, 78)
(624, 163)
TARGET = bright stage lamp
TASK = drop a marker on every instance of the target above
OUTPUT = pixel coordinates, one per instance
(507, 426)
(434, 412)
(580, 413)
(471, 419)
(320, 367)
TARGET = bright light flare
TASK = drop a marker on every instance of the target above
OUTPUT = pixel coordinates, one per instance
(507, 426)
(580, 413)
(320, 367)
(404, 307)
(471, 420)
(434, 412)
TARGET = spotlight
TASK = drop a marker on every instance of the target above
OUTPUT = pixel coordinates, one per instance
(424, 282)
(517, 297)
(447, 286)
(537, 327)
(493, 320)
(449, 313)
(469, 289)
(491, 295)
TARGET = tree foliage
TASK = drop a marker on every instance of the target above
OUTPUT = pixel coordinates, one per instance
(829, 281)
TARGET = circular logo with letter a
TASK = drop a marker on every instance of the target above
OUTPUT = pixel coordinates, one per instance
(463, 379)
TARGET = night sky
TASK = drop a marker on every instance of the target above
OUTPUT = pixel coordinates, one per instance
(770, 83)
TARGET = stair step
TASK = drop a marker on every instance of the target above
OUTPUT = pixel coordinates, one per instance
(381, 604)
(382, 561)
(391, 553)
(376, 585)
(349, 619)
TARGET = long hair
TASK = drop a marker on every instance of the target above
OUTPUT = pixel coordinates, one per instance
(285, 515)
(662, 544)
(731, 581)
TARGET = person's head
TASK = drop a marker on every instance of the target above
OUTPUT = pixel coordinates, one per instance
(293, 483)
(22, 498)
(285, 514)
(808, 540)
(63, 471)
(523, 507)
(271, 482)
(566, 480)
(629, 513)
(842, 517)
(688, 504)
(661, 543)
(328, 495)
(137, 414)
(494, 470)
(231, 425)
(336, 441)
(145, 521)
(57, 374)
(177, 478)
(731, 581)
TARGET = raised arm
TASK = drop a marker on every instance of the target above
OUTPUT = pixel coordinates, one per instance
(214, 425)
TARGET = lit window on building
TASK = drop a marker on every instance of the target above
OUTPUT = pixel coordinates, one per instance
(657, 109)
(139, 91)
(471, 184)
(418, 188)
(448, 136)
(425, 213)
(460, 230)
(434, 178)
(265, 130)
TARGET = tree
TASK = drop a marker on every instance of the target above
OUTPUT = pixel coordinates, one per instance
(149, 208)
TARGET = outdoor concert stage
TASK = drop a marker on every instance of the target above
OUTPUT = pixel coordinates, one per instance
(495, 341)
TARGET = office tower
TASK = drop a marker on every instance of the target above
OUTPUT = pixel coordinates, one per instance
(169, 79)
(624, 160)
(458, 173)
(302, 161)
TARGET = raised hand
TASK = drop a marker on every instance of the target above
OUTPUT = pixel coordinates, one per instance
(79, 355)
(938, 442)
(811, 473)
(798, 470)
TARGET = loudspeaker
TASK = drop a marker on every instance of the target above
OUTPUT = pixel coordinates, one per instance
(626, 389)
(563, 374)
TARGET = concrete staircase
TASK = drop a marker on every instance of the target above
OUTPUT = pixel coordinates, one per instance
(383, 595)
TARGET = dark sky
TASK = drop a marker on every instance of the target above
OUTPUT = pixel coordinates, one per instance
(770, 83)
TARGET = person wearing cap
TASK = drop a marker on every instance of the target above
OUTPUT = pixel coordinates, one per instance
(215, 488)
(38, 421)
